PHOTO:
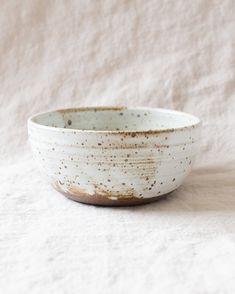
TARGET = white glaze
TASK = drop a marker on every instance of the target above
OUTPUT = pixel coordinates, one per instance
(122, 153)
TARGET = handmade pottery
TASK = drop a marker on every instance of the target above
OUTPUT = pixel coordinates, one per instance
(114, 155)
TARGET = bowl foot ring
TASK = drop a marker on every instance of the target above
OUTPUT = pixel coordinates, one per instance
(104, 201)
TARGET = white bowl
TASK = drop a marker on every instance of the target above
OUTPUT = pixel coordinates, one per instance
(114, 155)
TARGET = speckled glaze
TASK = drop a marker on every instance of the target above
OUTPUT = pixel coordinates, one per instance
(114, 155)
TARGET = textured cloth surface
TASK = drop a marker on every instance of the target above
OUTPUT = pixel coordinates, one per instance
(171, 54)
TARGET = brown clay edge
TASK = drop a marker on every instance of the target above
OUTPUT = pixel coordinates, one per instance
(103, 201)
(91, 108)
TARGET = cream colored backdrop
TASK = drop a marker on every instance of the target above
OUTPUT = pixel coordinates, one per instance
(162, 53)
(175, 54)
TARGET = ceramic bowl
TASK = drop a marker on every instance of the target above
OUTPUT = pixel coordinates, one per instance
(114, 155)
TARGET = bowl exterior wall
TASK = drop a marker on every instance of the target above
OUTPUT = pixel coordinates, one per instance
(114, 166)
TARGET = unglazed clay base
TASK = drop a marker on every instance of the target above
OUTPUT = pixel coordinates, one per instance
(100, 200)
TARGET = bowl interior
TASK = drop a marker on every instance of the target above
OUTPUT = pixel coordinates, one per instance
(115, 119)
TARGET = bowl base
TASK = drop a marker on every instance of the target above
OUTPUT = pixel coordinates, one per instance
(103, 201)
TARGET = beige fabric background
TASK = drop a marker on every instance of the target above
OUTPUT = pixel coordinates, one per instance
(173, 54)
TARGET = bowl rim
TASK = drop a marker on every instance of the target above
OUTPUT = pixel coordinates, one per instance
(114, 132)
